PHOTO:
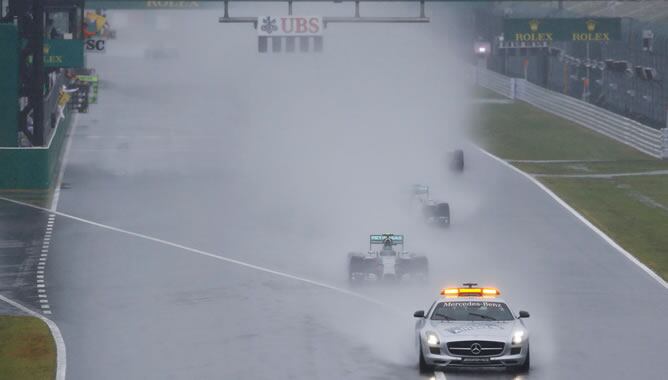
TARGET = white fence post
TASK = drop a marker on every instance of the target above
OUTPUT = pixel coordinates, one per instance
(665, 143)
(520, 89)
(512, 88)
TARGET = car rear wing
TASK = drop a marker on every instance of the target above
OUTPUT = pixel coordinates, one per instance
(382, 238)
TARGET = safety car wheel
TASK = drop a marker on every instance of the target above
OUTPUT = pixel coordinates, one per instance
(422, 365)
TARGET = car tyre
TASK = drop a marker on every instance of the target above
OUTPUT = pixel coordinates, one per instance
(457, 163)
(354, 266)
(524, 367)
(423, 366)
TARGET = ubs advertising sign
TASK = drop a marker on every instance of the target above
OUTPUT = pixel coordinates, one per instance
(289, 26)
(597, 29)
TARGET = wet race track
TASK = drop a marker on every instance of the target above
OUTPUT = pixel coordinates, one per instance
(258, 179)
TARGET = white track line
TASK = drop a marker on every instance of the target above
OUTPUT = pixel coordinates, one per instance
(60, 343)
(584, 220)
(604, 175)
(61, 356)
(556, 161)
(438, 375)
(63, 165)
(203, 253)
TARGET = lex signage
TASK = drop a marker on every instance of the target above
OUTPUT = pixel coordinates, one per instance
(596, 29)
(63, 53)
(289, 26)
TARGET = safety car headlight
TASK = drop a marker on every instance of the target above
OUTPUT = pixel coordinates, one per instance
(518, 336)
(432, 339)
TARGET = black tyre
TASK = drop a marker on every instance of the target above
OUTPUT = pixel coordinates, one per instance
(354, 267)
(443, 211)
(524, 368)
(457, 163)
(423, 366)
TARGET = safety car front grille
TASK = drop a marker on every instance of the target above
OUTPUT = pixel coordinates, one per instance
(476, 348)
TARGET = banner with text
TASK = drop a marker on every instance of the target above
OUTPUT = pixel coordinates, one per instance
(289, 26)
(597, 29)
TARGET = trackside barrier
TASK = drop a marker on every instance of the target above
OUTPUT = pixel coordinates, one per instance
(37, 167)
(34, 167)
(496, 82)
(648, 140)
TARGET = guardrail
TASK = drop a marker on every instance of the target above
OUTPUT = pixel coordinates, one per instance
(496, 82)
(648, 140)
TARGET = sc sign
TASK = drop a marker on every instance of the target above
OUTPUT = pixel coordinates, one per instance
(95, 45)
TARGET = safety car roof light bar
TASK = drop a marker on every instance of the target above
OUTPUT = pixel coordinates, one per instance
(470, 290)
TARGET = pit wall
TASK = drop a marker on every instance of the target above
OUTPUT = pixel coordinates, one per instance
(36, 167)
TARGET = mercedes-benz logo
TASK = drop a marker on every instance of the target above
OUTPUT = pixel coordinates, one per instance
(476, 348)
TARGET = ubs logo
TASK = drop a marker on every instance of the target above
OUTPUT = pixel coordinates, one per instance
(269, 25)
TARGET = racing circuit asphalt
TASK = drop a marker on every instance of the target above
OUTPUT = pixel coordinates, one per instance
(155, 157)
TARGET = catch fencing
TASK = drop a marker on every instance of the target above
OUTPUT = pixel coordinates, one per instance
(648, 140)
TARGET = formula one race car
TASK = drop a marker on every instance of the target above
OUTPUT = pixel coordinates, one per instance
(387, 263)
(471, 326)
(434, 212)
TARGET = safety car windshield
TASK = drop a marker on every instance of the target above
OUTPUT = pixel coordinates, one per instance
(471, 311)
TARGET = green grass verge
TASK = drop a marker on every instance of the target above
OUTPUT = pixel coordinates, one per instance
(631, 210)
(622, 208)
(519, 131)
(27, 350)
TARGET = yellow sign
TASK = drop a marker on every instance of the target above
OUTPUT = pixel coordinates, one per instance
(590, 29)
(598, 37)
(533, 25)
(534, 35)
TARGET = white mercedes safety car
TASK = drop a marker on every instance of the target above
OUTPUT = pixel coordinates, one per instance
(471, 326)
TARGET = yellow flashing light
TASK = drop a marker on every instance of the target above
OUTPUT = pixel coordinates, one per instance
(468, 292)
(450, 292)
(490, 291)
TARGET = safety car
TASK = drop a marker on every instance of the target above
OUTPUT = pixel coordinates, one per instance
(471, 326)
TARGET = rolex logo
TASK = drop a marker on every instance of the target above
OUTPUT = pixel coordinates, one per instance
(533, 25)
(46, 49)
(591, 25)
